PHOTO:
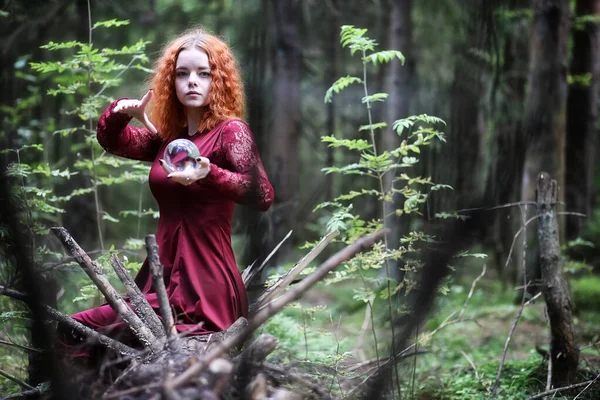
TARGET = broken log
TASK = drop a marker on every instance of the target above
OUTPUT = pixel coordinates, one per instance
(156, 270)
(563, 349)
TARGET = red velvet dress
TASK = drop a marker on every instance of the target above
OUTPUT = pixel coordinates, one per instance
(194, 228)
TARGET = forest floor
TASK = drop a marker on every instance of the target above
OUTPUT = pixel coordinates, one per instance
(459, 360)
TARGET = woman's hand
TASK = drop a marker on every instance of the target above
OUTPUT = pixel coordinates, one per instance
(137, 109)
(188, 176)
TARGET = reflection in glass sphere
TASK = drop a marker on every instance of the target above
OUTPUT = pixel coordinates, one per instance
(181, 154)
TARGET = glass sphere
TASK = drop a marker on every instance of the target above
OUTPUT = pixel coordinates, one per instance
(181, 154)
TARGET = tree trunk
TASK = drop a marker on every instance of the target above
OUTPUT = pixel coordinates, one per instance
(582, 104)
(333, 50)
(399, 85)
(507, 154)
(285, 115)
(546, 99)
(563, 350)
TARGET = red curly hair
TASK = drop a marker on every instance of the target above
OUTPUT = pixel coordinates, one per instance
(226, 96)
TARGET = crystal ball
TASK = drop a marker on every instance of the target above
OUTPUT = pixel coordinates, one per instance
(181, 154)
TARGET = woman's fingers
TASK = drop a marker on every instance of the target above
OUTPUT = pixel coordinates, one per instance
(145, 99)
(149, 125)
(165, 166)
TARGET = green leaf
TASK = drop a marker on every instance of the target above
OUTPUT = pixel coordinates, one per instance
(340, 85)
(63, 45)
(384, 57)
(375, 97)
(379, 125)
(106, 216)
(352, 144)
(110, 23)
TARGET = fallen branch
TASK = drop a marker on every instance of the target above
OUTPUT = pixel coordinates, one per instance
(19, 346)
(16, 380)
(159, 285)
(116, 301)
(24, 394)
(70, 322)
(272, 308)
(560, 389)
(137, 299)
(300, 380)
(292, 273)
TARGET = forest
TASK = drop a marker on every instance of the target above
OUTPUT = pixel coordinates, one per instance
(435, 230)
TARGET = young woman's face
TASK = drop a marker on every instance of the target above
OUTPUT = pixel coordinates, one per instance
(192, 78)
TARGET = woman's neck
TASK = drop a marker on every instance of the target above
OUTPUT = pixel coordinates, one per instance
(194, 116)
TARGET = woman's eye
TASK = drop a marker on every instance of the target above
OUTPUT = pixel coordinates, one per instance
(205, 74)
(181, 73)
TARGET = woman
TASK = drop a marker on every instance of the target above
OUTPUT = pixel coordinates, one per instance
(197, 94)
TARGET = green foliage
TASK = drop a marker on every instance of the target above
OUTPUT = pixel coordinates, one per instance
(585, 293)
(416, 131)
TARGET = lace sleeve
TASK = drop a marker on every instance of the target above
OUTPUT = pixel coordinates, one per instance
(246, 181)
(117, 137)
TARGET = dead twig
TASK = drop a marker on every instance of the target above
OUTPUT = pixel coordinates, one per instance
(116, 301)
(159, 286)
(300, 380)
(560, 389)
(19, 346)
(16, 380)
(73, 324)
(292, 273)
(522, 307)
(249, 273)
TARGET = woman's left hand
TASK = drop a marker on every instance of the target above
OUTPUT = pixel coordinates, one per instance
(188, 176)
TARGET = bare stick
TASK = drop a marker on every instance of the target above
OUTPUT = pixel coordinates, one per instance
(471, 291)
(586, 388)
(549, 377)
(139, 302)
(299, 379)
(16, 380)
(70, 322)
(250, 272)
(518, 316)
(291, 274)
(159, 285)
(141, 331)
(276, 305)
(22, 395)
(472, 365)
(560, 389)
(19, 346)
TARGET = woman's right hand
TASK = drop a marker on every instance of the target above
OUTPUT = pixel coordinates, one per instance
(137, 109)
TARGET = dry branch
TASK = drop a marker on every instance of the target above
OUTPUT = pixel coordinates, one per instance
(139, 302)
(73, 324)
(273, 307)
(292, 273)
(251, 272)
(116, 301)
(159, 285)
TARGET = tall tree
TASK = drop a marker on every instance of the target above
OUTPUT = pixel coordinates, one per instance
(285, 117)
(582, 112)
(399, 81)
(546, 101)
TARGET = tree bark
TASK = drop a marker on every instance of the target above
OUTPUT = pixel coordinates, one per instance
(286, 116)
(563, 349)
(545, 118)
(582, 111)
(399, 82)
